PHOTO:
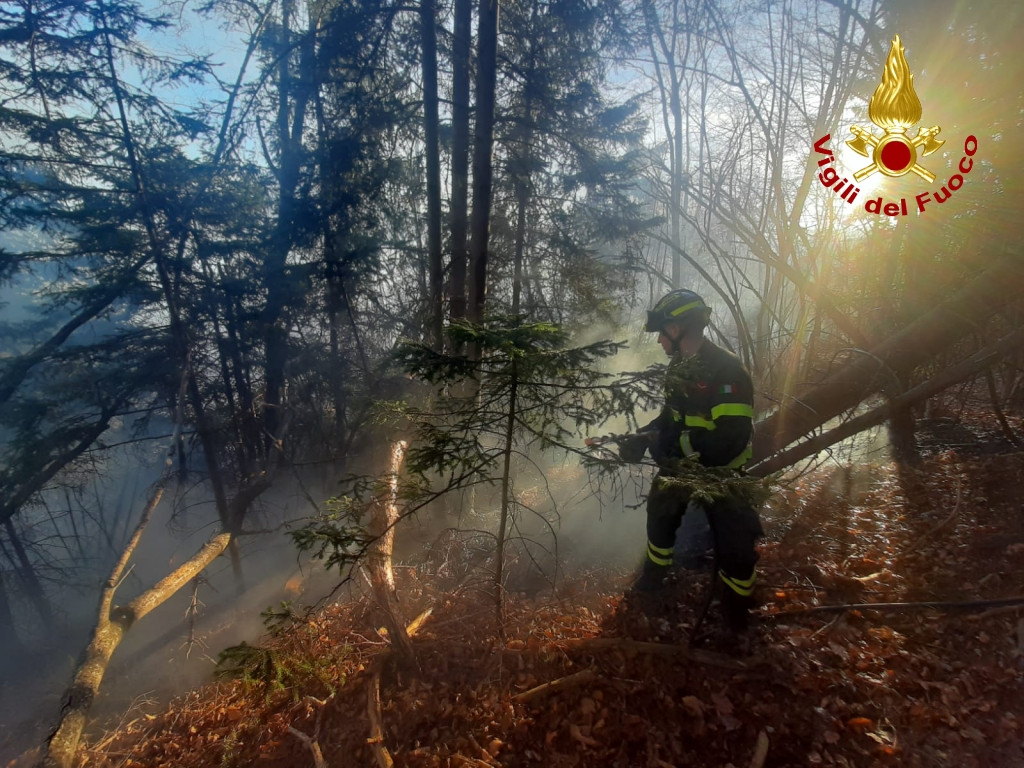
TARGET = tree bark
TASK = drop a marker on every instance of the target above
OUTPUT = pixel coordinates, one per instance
(902, 428)
(382, 576)
(522, 191)
(483, 144)
(293, 99)
(460, 155)
(506, 496)
(112, 623)
(433, 157)
(868, 373)
(522, 171)
(671, 98)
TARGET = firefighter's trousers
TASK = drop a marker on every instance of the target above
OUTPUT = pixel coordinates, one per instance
(735, 529)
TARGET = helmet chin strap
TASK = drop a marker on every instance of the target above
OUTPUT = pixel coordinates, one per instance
(676, 350)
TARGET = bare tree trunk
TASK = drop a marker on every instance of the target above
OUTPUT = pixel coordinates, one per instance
(382, 576)
(483, 144)
(521, 168)
(112, 623)
(522, 192)
(433, 153)
(902, 427)
(671, 97)
(506, 495)
(293, 99)
(179, 332)
(460, 155)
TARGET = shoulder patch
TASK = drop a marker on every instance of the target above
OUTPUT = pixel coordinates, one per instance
(727, 389)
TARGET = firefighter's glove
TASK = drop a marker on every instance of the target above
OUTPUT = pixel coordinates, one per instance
(633, 448)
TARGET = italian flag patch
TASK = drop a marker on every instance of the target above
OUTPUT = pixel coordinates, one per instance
(727, 389)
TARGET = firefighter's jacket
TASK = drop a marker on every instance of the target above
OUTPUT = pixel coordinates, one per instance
(709, 411)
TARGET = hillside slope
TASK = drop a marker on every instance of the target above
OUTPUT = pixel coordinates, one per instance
(907, 686)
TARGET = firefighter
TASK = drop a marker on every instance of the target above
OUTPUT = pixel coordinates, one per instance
(707, 417)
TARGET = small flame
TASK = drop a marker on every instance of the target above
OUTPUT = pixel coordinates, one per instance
(894, 104)
(294, 585)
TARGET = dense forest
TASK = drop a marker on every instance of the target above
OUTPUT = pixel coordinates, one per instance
(359, 277)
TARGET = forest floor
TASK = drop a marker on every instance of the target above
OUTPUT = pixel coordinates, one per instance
(910, 686)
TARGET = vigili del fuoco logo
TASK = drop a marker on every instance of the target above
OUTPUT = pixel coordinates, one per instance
(895, 108)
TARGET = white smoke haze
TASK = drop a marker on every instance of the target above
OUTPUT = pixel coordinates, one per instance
(564, 521)
(156, 661)
(561, 512)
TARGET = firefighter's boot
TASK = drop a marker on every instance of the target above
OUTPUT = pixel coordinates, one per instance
(651, 578)
(736, 610)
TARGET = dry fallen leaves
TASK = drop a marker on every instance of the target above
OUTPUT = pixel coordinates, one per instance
(939, 687)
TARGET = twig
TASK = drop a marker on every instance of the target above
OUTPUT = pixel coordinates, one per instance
(827, 627)
(554, 686)
(760, 751)
(485, 756)
(312, 745)
(899, 606)
(109, 739)
(125, 575)
(373, 708)
(321, 705)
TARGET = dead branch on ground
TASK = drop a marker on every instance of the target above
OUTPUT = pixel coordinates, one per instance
(112, 623)
(556, 686)
(312, 742)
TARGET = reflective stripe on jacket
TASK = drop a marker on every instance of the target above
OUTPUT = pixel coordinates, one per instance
(708, 411)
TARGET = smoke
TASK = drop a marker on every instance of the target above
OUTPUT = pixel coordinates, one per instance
(564, 520)
(562, 517)
(174, 648)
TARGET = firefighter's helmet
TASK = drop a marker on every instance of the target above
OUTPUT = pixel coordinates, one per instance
(683, 306)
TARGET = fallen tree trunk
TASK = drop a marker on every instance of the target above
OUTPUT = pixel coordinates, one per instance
(868, 373)
(112, 623)
(972, 366)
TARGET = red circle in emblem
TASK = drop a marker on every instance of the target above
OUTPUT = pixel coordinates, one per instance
(895, 155)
